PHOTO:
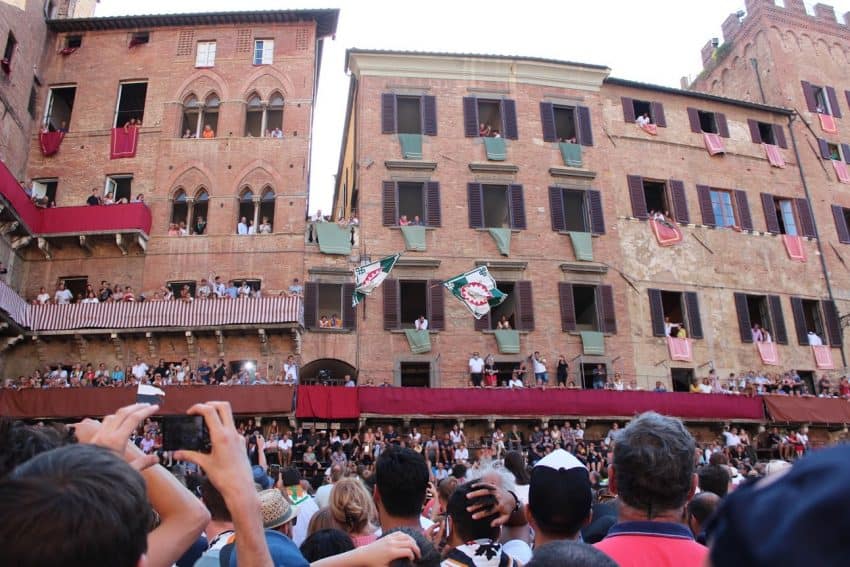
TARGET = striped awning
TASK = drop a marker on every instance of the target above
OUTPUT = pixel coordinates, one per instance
(151, 314)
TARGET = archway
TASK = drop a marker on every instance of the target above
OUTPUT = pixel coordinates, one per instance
(327, 371)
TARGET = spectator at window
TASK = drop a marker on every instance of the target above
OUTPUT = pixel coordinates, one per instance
(183, 231)
(756, 333)
(484, 130)
(562, 371)
(825, 386)
(417, 221)
(173, 229)
(208, 132)
(140, 198)
(200, 225)
(218, 288)
(296, 289)
(186, 294)
(90, 298)
(63, 296)
(93, 199)
(231, 291)
(643, 120)
(244, 290)
(490, 375)
(503, 323)
(187, 134)
(204, 290)
(421, 324)
(319, 217)
(599, 377)
(277, 133)
(43, 298)
(476, 369)
(403, 221)
(242, 226)
(659, 387)
(265, 226)
(515, 381)
(541, 377)
(251, 228)
(618, 382)
(814, 339)
(495, 134)
(324, 322)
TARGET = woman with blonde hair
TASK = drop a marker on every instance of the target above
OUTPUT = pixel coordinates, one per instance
(353, 510)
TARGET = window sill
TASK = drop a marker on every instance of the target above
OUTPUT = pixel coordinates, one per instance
(592, 234)
(333, 331)
(578, 333)
(513, 230)
(493, 331)
(205, 66)
(401, 331)
(397, 227)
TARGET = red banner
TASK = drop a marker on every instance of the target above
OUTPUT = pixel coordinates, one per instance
(327, 402)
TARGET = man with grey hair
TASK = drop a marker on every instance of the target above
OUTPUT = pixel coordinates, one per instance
(652, 473)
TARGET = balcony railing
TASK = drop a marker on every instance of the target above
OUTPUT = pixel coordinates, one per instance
(311, 236)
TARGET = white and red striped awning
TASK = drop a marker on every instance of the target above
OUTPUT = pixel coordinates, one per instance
(151, 314)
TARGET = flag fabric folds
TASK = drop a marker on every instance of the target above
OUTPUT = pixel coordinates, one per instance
(496, 149)
(419, 341)
(841, 171)
(827, 123)
(773, 155)
(666, 234)
(508, 341)
(502, 237)
(477, 290)
(823, 357)
(571, 154)
(680, 349)
(794, 247)
(367, 278)
(768, 353)
(414, 237)
(713, 143)
(49, 142)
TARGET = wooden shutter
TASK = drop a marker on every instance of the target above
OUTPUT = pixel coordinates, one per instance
(597, 218)
(807, 223)
(745, 220)
(436, 306)
(636, 196)
(389, 213)
(349, 312)
(525, 302)
(769, 206)
(779, 136)
(510, 130)
(628, 109)
(517, 199)
(744, 327)
(704, 195)
(694, 318)
(693, 118)
(722, 125)
(845, 149)
(680, 201)
(429, 115)
(388, 113)
(809, 95)
(799, 320)
(483, 324)
(656, 312)
(568, 309)
(311, 305)
(547, 119)
(470, 117)
(607, 312)
(833, 326)
(433, 213)
(657, 110)
(841, 224)
(824, 149)
(777, 319)
(833, 102)
(556, 208)
(585, 131)
(392, 315)
(476, 205)
(755, 133)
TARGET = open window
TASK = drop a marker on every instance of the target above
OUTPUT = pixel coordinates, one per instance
(724, 210)
(263, 51)
(253, 283)
(131, 103)
(411, 199)
(766, 133)
(587, 307)
(140, 38)
(76, 285)
(9, 53)
(263, 119)
(509, 309)
(576, 210)
(33, 98)
(586, 370)
(489, 116)
(708, 122)
(820, 317)
(324, 300)
(191, 114)
(44, 190)
(254, 117)
(762, 310)
(821, 99)
(60, 105)
(409, 112)
(209, 113)
(74, 41)
(655, 194)
(671, 310)
(496, 206)
(841, 217)
(205, 55)
(405, 300)
(246, 205)
(118, 188)
(634, 108)
(274, 112)
(785, 219)
(828, 150)
(682, 379)
(813, 318)
(200, 212)
(267, 202)
(415, 374)
(518, 307)
(177, 285)
(565, 123)
(179, 207)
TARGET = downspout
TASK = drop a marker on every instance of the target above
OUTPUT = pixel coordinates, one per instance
(754, 62)
(791, 119)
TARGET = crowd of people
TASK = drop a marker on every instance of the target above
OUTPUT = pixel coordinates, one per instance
(657, 499)
(209, 288)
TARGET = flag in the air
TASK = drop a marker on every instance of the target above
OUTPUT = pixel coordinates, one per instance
(477, 290)
(367, 278)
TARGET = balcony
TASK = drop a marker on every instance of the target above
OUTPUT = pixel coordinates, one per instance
(339, 240)
(23, 222)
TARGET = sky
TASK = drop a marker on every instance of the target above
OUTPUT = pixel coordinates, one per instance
(653, 41)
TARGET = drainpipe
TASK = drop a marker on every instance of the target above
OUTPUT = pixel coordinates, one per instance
(791, 119)
(754, 62)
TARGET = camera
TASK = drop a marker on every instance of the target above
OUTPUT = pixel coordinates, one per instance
(187, 432)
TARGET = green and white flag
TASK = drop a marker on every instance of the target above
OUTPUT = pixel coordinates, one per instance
(367, 278)
(477, 290)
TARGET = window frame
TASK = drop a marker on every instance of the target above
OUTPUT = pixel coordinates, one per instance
(208, 59)
(604, 306)
(114, 178)
(121, 85)
(312, 314)
(74, 38)
(708, 115)
(50, 192)
(49, 105)
(266, 51)
(730, 205)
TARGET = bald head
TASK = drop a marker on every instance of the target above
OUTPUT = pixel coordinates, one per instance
(700, 509)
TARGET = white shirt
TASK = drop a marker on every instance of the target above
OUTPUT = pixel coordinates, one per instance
(456, 436)
(242, 228)
(63, 296)
(515, 383)
(43, 298)
(705, 388)
(285, 444)
(732, 440)
(539, 367)
(814, 340)
(140, 369)
(461, 454)
(306, 509)
(476, 364)
(422, 324)
(290, 372)
(90, 300)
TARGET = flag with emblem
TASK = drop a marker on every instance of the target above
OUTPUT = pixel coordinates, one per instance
(477, 290)
(368, 277)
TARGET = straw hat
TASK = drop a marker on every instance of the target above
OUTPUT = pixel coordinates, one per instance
(277, 510)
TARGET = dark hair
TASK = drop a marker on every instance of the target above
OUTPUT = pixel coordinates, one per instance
(462, 523)
(654, 463)
(326, 543)
(428, 554)
(401, 478)
(214, 501)
(291, 476)
(515, 462)
(55, 493)
(20, 442)
(459, 471)
(569, 554)
(714, 478)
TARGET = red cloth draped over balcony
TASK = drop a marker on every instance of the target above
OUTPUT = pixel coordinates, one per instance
(793, 409)
(535, 402)
(123, 143)
(96, 402)
(327, 402)
(50, 142)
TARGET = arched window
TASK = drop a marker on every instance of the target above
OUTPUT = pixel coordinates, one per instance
(254, 117)
(200, 210)
(191, 111)
(247, 211)
(274, 113)
(266, 215)
(210, 114)
(179, 207)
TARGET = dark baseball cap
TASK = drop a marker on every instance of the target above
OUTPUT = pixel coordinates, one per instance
(560, 494)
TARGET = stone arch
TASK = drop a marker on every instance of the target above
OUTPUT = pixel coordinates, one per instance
(191, 174)
(777, 35)
(202, 82)
(793, 40)
(265, 80)
(807, 43)
(336, 369)
(260, 173)
(822, 47)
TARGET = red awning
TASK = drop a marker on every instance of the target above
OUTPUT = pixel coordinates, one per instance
(327, 402)
(807, 410)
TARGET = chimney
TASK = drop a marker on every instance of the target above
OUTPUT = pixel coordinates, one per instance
(795, 6)
(684, 82)
(825, 12)
(731, 26)
(708, 51)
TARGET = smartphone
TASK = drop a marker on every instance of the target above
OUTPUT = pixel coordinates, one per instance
(274, 471)
(185, 432)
